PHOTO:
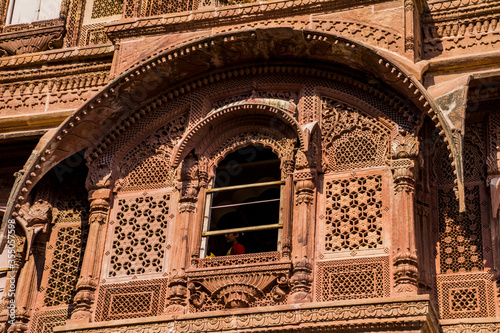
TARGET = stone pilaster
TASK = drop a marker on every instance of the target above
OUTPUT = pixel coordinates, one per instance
(405, 260)
(91, 266)
(303, 232)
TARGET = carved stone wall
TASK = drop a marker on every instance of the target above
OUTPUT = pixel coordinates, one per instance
(138, 235)
(352, 279)
(465, 283)
(131, 299)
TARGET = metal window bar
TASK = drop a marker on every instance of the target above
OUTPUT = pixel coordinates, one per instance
(208, 210)
(237, 187)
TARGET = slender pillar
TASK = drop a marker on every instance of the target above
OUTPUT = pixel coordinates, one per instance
(303, 229)
(405, 260)
(91, 266)
(186, 219)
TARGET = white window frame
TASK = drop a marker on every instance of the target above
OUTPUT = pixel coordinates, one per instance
(208, 209)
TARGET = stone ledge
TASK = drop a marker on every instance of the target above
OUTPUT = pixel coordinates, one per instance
(469, 325)
(413, 313)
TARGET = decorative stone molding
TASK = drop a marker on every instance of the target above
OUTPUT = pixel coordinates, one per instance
(407, 313)
(32, 40)
(301, 281)
(178, 293)
(305, 183)
(406, 275)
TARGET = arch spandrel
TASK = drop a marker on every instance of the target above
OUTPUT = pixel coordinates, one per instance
(167, 69)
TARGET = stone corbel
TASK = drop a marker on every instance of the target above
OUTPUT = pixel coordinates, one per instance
(188, 184)
(451, 99)
(301, 281)
(237, 290)
(178, 293)
(37, 219)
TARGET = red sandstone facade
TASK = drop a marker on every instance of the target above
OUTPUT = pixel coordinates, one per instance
(352, 146)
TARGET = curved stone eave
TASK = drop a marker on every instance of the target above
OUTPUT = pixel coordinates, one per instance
(109, 104)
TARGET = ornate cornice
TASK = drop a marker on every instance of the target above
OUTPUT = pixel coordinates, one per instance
(394, 314)
(68, 54)
(216, 17)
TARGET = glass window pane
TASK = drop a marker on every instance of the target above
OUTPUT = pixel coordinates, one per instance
(49, 9)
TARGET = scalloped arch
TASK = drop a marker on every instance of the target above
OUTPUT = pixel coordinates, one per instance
(162, 71)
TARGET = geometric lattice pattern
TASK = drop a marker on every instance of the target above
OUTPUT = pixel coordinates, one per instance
(93, 34)
(474, 146)
(158, 7)
(243, 259)
(104, 8)
(466, 296)
(353, 213)
(139, 235)
(147, 166)
(74, 208)
(351, 139)
(65, 265)
(150, 173)
(352, 279)
(460, 236)
(44, 322)
(131, 300)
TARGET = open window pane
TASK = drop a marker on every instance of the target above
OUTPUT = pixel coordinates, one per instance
(246, 199)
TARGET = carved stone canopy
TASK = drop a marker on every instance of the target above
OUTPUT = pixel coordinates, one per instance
(165, 73)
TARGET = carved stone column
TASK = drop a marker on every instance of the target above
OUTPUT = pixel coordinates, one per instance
(91, 265)
(303, 229)
(37, 220)
(188, 198)
(405, 260)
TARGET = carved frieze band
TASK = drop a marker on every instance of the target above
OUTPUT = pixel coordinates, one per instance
(413, 314)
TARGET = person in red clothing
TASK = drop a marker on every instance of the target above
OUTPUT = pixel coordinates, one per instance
(236, 247)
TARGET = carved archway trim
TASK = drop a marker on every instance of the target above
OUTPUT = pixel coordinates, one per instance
(215, 147)
(234, 111)
(117, 98)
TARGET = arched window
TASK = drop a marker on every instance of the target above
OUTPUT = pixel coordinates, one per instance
(243, 205)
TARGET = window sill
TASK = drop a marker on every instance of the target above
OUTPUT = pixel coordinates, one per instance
(237, 260)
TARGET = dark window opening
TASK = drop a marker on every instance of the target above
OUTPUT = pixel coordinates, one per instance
(244, 204)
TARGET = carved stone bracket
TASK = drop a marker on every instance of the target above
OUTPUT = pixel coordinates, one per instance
(406, 273)
(37, 219)
(305, 183)
(403, 175)
(301, 281)
(178, 293)
(239, 288)
(33, 40)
